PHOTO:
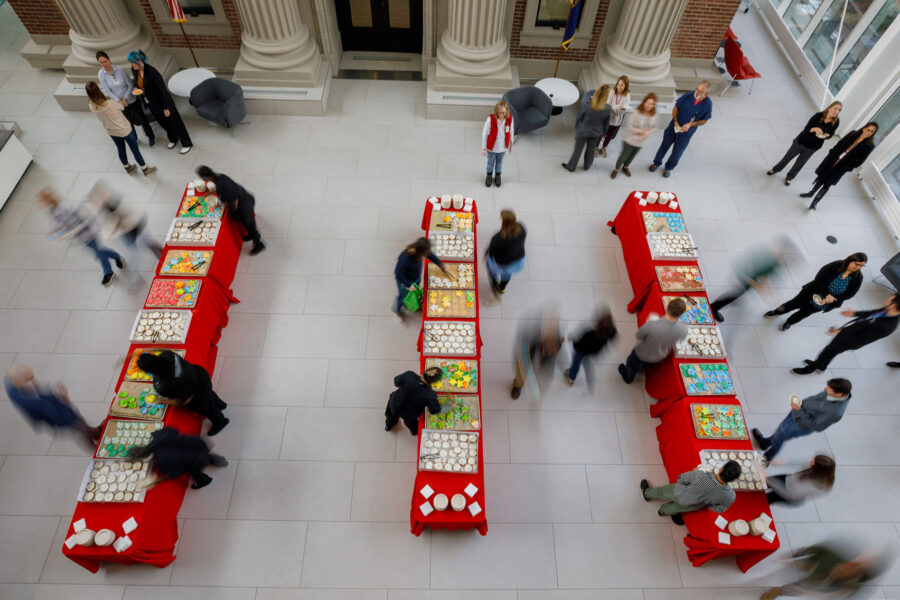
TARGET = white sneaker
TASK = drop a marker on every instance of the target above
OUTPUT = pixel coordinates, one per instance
(171, 145)
(186, 150)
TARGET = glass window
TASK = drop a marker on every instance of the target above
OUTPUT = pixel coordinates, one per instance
(888, 116)
(891, 174)
(863, 45)
(820, 46)
(555, 14)
(195, 8)
(799, 14)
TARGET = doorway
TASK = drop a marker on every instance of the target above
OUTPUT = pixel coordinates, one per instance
(380, 25)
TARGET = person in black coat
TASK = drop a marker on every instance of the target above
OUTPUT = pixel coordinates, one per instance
(819, 128)
(185, 385)
(152, 86)
(849, 153)
(506, 252)
(241, 204)
(590, 126)
(835, 282)
(867, 326)
(413, 395)
(591, 343)
(175, 454)
(408, 270)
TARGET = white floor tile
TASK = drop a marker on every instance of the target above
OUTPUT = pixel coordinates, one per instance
(26, 544)
(383, 492)
(338, 434)
(537, 493)
(583, 438)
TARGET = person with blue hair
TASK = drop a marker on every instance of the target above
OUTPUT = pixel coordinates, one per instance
(150, 85)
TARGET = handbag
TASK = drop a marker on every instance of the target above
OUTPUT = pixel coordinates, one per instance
(413, 299)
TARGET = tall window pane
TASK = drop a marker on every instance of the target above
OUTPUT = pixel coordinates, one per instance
(891, 174)
(866, 42)
(799, 13)
(820, 46)
(888, 116)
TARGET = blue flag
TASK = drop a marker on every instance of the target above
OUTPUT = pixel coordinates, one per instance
(571, 23)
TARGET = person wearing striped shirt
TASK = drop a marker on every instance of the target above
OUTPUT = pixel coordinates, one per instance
(694, 490)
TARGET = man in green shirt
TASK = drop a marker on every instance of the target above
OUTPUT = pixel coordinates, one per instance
(754, 272)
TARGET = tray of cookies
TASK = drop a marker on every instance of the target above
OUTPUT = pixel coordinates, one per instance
(192, 263)
(460, 413)
(193, 232)
(701, 342)
(458, 375)
(138, 400)
(719, 422)
(698, 311)
(449, 338)
(443, 221)
(443, 304)
(134, 372)
(681, 278)
(453, 246)
(204, 206)
(753, 471)
(664, 222)
(672, 246)
(448, 451)
(119, 436)
(460, 276)
(161, 327)
(173, 293)
(114, 480)
(707, 379)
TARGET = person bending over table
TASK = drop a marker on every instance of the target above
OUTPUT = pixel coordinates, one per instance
(694, 490)
(413, 395)
(408, 271)
(835, 282)
(866, 327)
(815, 413)
(185, 385)
(240, 203)
(175, 454)
(796, 488)
(655, 339)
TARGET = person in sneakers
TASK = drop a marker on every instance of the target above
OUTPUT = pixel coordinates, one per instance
(866, 327)
(639, 125)
(413, 395)
(71, 221)
(175, 455)
(691, 110)
(591, 125)
(506, 252)
(150, 84)
(42, 405)
(591, 343)
(240, 203)
(619, 101)
(117, 85)
(694, 490)
(185, 385)
(655, 339)
(496, 141)
(408, 271)
(809, 415)
(111, 115)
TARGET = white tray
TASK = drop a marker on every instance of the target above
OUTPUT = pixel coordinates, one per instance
(187, 327)
(138, 495)
(428, 432)
(691, 255)
(217, 224)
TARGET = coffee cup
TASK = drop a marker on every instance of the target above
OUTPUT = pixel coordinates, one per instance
(446, 201)
(458, 201)
(738, 527)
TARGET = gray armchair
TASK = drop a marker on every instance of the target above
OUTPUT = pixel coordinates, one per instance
(530, 108)
(220, 101)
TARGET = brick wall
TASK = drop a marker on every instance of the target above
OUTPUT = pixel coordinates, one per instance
(702, 27)
(517, 50)
(176, 40)
(40, 17)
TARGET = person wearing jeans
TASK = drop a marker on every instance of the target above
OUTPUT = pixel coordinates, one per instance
(117, 85)
(639, 125)
(809, 415)
(496, 141)
(591, 343)
(506, 252)
(117, 126)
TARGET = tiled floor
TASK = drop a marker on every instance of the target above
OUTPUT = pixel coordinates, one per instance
(315, 503)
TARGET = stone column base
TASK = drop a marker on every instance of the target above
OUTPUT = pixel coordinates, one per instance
(306, 76)
(463, 104)
(46, 54)
(445, 80)
(290, 99)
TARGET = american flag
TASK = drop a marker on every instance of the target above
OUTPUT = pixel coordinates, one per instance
(176, 11)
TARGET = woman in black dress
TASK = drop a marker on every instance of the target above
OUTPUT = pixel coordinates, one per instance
(849, 153)
(819, 128)
(835, 282)
(150, 85)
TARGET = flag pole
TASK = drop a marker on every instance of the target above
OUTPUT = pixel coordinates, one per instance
(188, 40)
(559, 55)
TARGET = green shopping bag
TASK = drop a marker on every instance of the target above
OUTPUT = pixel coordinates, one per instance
(413, 299)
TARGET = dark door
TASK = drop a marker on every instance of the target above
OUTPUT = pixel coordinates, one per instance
(380, 25)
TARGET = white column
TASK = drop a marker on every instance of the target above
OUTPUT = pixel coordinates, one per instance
(103, 25)
(276, 46)
(473, 54)
(639, 48)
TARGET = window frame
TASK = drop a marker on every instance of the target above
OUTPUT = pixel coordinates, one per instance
(215, 24)
(532, 35)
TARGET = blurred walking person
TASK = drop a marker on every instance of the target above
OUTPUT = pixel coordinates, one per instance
(537, 345)
(589, 344)
(796, 488)
(506, 252)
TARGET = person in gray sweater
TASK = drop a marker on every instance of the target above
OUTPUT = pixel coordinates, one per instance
(655, 339)
(590, 125)
(815, 413)
(694, 490)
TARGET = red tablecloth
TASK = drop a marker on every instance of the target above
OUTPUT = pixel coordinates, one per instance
(426, 216)
(680, 449)
(450, 483)
(153, 542)
(678, 444)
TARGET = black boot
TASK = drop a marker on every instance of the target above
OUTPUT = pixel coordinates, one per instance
(488, 180)
(497, 179)
(808, 194)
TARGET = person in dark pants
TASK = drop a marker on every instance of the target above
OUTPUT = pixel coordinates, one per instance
(506, 252)
(753, 272)
(185, 385)
(849, 153)
(809, 415)
(240, 203)
(590, 126)
(150, 84)
(655, 339)
(46, 405)
(591, 343)
(867, 326)
(538, 342)
(691, 110)
(413, 395)
(796, 488)
(117, 86)
(175, 455)
(819, 128)
(408, 271)
(835, 282)
(694, 490)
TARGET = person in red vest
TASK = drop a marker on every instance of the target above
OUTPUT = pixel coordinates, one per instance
(496, 141)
